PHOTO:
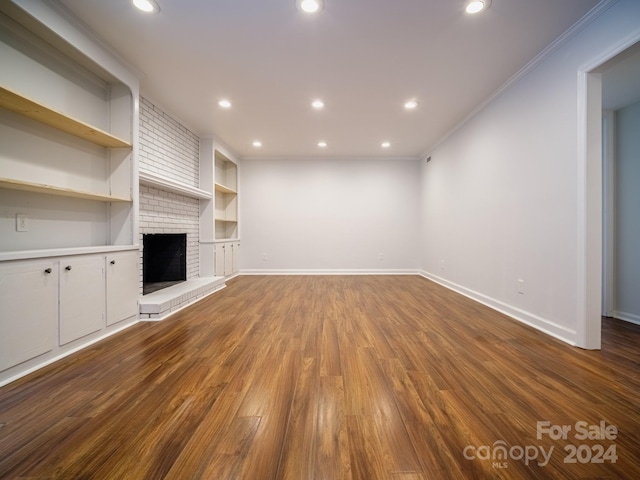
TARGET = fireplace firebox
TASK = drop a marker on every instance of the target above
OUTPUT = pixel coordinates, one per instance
(164, 260)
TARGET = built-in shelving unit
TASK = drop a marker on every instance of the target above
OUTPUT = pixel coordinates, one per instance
(226, 198)
(41, 113)
(66, 134)
(219, 223)
(68, 189)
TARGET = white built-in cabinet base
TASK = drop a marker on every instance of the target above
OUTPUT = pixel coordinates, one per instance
(51, 307)
(227, 258)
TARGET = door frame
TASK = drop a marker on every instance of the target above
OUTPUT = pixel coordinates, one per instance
(590, 197)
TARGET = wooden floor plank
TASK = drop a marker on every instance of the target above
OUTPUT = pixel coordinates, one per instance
(324, 377)
(332, 453)
(297, 458)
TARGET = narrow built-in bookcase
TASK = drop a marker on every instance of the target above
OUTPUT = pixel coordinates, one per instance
(219, 221)
(226, 200)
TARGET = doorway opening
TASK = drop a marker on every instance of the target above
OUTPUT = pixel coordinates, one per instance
(594, 262)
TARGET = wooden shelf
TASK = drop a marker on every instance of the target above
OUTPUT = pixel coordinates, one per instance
(221, 188)
(226, 220)
(24, 106)
(59, 191)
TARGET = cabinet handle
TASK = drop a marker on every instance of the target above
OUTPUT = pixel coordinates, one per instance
(67, 268)
(48, 270)
(112, 262)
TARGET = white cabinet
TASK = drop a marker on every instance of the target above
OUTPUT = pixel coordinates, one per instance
(227, 258)
(53, 305)
(123, 283)
(28, 310)
(220, 257)
(82, 297)
(235, 257)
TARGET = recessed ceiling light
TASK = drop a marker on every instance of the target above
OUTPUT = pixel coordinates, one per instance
(322, 144)
(310, 6)
(385, 144)
(149, 6)
(477, 6)
(257, 143)
(224, 103)
(317, 104)
(411, 104)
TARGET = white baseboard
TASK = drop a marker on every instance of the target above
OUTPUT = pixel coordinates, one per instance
(285, 271)
(539, 323)
(627, 317)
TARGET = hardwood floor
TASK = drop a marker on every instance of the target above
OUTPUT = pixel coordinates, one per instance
(334, 377)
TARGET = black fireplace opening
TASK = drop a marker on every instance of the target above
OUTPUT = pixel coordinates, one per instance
(164, 260)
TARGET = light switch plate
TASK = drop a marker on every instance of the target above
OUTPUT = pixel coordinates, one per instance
(22, 222)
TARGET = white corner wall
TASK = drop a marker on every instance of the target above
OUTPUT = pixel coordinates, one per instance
(329, 215)
(501, 198)
(627, 222)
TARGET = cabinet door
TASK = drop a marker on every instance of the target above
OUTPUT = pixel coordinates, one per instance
(236, 258)
(28, 310)
(228, 259)
(123, 283)
(220, 259)
(82, 297)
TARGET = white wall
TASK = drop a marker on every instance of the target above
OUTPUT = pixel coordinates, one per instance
(329, 215)
(501, 197)
(627, 205)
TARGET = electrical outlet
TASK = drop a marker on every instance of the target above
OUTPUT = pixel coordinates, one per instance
(521, 286)
(381, 256)
(264, 257)
(22, 222)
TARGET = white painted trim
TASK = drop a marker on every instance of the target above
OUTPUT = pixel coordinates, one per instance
(66, 353)
(608, 214)
(63, 252)
(588, 221)
(331, 157)
(627, 317)
(285, 271)
(163, 183)
(522, 316)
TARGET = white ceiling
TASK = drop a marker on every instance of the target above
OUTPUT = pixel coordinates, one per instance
(364, 58)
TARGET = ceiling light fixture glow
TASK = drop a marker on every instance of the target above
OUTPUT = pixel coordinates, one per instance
(310, 6)
(257, 143)
(477, 6)
(224, 103)
(148, 6)
(322, 144)
(317, 104)
(385, 144)
(411, 104)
